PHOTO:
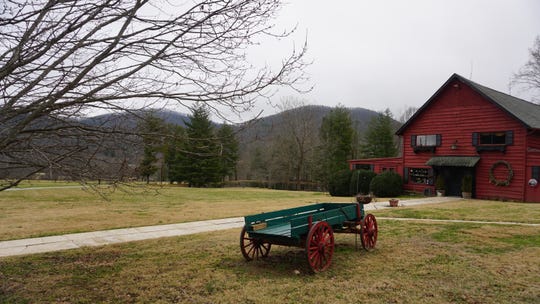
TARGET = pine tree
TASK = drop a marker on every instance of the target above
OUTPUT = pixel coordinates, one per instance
(379, 137)
(337, 135)
(228, 150)
(147, 166)
(152, 129)
(199, 161)
(173, 153)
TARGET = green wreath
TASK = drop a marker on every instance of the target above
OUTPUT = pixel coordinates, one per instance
(509, 177)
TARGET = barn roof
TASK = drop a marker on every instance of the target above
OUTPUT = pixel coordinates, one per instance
(526, 112)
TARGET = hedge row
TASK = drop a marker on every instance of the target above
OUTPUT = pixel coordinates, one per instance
(349, 183)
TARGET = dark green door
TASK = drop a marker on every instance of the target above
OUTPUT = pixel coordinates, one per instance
(452, 178)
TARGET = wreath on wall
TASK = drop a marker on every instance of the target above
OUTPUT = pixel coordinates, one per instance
(498, 182)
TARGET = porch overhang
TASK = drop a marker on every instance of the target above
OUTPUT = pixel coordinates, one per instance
(453, 161)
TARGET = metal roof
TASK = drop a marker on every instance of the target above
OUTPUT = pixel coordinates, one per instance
(453, 161)
(526, 112)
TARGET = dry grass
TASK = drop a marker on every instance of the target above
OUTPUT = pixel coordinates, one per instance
(412, 263)
(45, 183)
(32, 213)
(476, 210)
(42, 212)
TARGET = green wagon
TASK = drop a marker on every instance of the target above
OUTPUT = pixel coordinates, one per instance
(311, 227)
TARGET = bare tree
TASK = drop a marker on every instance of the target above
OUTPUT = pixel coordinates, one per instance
(529, 75)
(61, 59)
(407, 113)
(298, 137)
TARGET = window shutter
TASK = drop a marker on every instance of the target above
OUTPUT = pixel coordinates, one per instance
(475, 139)
(405, 175)
(509, 139)
(413, 140)
(438, 138)
(536, 172)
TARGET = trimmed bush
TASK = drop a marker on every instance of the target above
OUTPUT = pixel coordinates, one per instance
(387, 184)
(360, 181)
(339, 183)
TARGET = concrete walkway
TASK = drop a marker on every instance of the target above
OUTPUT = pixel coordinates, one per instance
(99, 238)
(106, 237)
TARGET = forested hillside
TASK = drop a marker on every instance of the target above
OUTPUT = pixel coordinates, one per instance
(283, 150)
(267, 152)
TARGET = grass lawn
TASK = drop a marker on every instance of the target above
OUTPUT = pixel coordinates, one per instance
(474, 210)
(45, 183)
(413, 262)
(42, 212)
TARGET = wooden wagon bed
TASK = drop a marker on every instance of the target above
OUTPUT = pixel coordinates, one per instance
(311, 227)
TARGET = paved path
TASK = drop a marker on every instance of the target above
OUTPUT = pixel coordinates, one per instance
(44, 188)
(99, 238)
(456, 221)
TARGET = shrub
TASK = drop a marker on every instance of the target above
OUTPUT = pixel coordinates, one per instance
(387, 184)
(360, 180)
(339, 183)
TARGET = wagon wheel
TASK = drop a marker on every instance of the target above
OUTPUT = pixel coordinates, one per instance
(320, 246)
(253, 249)
(368, 234)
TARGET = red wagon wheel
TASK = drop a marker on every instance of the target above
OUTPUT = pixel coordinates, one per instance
(320, 246)
(253, 249)
(369, 232)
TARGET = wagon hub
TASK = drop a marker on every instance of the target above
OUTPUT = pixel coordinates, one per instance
(321, 248)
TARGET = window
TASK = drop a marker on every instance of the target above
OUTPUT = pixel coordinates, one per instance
(535, 172)
(498, 138)
(363, 167)
(425, 142)
(492, 141)
(420, 176)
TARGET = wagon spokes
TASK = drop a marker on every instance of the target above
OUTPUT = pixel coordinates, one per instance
(369, 232)
(320, 246)
(252, 248)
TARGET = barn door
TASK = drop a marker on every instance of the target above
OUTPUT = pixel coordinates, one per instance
(453, 177)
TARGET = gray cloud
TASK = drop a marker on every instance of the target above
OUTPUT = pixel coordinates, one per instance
(379, 54)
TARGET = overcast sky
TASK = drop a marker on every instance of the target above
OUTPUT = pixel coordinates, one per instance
(394, 54)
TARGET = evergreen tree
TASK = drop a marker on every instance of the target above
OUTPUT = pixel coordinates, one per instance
(173, 153)
(379, 137)
(152, 130)
(147, 166)
(199, 161)
(228, 150)
(337, 135)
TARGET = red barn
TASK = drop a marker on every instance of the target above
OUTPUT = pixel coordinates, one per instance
(469, 129)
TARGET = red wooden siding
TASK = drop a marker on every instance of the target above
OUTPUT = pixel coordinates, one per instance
(379, 165)
(532, 194)
(456, 113)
